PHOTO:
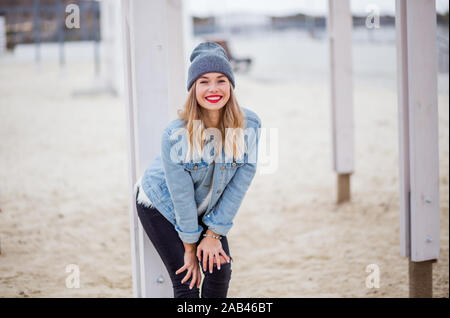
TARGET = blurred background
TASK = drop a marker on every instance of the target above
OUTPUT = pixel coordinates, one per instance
(63, 156)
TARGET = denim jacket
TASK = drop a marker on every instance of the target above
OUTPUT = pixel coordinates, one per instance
(176, 187)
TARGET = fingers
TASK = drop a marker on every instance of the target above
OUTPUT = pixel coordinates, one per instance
(182, 269)
(188, 275)
(204, 260)
(208, 260)
(195, 273)
(217, 258)
(211, 262)
(227, 258)
(223, 260)
(194, 279)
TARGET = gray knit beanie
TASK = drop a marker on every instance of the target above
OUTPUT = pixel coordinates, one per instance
(209, 57)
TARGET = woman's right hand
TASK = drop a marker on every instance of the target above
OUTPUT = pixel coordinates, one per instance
(192, 267)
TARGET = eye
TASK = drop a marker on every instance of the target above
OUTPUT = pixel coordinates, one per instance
(203, 82)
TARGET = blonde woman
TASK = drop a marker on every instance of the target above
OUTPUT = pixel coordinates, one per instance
(189, 195)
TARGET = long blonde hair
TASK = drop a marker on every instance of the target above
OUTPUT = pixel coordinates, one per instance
(231, 127)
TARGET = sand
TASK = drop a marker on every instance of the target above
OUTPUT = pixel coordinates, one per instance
(64, 183)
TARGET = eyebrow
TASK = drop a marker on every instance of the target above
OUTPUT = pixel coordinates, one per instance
(208, 77)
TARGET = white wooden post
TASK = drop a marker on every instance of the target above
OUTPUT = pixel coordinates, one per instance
(418, 139)
(177, 57)
(111, 45)
(2, 35)
(340, 40)
(131, 147)
(151, 48)
(403, 126)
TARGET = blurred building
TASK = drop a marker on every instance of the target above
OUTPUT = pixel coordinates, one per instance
(316, 27)
(238, 22)
(29, 21)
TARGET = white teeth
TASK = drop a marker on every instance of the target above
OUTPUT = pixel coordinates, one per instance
(213, 98)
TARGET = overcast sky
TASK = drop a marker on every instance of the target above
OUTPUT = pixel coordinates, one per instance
(278, 7)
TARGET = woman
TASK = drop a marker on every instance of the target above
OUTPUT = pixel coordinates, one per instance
(188, 196)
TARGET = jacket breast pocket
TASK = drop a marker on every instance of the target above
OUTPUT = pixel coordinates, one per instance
(233, 166)
(196, 170)
(230, 169)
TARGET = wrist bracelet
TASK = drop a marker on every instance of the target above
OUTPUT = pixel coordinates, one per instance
(213, 236)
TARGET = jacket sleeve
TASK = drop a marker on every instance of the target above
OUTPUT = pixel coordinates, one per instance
(220, 219)
(181, 189)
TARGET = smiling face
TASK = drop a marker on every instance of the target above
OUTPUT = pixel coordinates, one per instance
(212, 90)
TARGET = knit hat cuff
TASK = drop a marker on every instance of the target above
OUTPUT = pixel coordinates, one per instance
(207, 64)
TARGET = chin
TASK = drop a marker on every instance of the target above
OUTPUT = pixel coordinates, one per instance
(213, 107)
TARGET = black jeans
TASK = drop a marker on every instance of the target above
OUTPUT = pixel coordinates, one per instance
(171, 250)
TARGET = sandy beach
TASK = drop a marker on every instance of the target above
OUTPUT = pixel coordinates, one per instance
(64, 181)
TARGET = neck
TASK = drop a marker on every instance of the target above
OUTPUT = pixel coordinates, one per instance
(212, 118)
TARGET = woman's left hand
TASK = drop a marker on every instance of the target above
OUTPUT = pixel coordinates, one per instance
(212, 250)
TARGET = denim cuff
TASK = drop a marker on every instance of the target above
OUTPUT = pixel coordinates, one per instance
(189, 237)
(219, 229)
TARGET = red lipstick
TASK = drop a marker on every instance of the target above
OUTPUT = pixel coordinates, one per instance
(213, 96)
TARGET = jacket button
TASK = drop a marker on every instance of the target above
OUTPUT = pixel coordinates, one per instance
(195, 167)
(233, 164)
(222, 168)
(218, 191)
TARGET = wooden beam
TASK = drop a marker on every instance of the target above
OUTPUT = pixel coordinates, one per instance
(420, 279)
(111, 46)
(176, 44)
(147, 61)
(343, 187)
(418, 141)
(340, 38)
(129, 113)
(418, 124)
(403, 128)
(2, 35)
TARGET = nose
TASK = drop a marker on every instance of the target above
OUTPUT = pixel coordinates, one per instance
(212, 87)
